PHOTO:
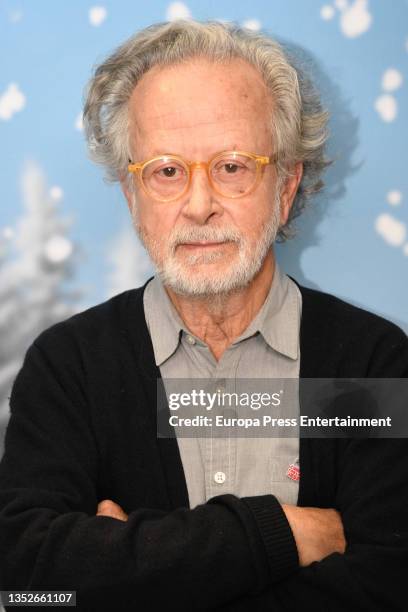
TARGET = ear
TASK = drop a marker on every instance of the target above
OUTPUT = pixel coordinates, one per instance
(127, 192)
(288, 191)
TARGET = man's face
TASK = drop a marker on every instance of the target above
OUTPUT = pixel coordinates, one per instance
(196, 110)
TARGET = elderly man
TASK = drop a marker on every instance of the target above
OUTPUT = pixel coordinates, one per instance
(217, 140)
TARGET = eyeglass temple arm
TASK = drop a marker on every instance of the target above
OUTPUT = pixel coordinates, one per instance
(134, 167)
(262, 159)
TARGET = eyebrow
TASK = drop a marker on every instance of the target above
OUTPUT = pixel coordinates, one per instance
(160, 152)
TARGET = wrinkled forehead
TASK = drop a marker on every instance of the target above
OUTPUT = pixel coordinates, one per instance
(199, 93)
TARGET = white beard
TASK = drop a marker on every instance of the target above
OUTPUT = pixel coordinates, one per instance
(184, 276)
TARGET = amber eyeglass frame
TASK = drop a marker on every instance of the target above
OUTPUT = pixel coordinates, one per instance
(260, 160)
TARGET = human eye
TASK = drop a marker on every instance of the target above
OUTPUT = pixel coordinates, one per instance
(169, 171)
(230, 168)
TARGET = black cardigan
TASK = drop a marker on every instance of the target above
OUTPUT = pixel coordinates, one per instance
(83, 428)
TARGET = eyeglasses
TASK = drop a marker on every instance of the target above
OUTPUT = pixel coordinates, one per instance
(232, 174)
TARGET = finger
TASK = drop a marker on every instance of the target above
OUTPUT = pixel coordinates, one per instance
(109, 508)
(113, 513)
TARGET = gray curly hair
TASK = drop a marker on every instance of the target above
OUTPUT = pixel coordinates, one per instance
(299, 123)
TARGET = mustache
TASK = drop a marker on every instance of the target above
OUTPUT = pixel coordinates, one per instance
(201, 234)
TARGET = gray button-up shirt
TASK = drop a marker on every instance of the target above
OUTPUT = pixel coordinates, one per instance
(268, 348)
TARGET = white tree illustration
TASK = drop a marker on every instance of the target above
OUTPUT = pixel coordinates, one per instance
(34, 271)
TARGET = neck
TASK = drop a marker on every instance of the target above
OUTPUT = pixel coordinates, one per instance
(219, 320)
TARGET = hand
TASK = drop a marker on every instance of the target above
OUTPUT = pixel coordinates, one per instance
(318, 532)
(107, 507)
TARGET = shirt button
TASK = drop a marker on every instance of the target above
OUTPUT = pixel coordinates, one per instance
(220, 388)
(191, 340)
(219, 477)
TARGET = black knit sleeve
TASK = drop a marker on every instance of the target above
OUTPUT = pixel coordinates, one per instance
(51, 539)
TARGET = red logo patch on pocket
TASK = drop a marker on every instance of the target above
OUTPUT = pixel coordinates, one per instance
(293, 472)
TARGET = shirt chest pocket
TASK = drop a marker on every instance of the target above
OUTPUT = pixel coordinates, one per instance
(266, 466)
(284, 475)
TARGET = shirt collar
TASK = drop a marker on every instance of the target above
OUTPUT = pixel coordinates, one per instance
(278, 320)
(163, 321)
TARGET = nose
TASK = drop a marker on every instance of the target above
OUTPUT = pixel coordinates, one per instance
(199, 206)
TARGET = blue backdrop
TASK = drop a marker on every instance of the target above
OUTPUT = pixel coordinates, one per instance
(353, 242)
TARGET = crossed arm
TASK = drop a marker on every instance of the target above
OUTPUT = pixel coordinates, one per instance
(318, 532)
